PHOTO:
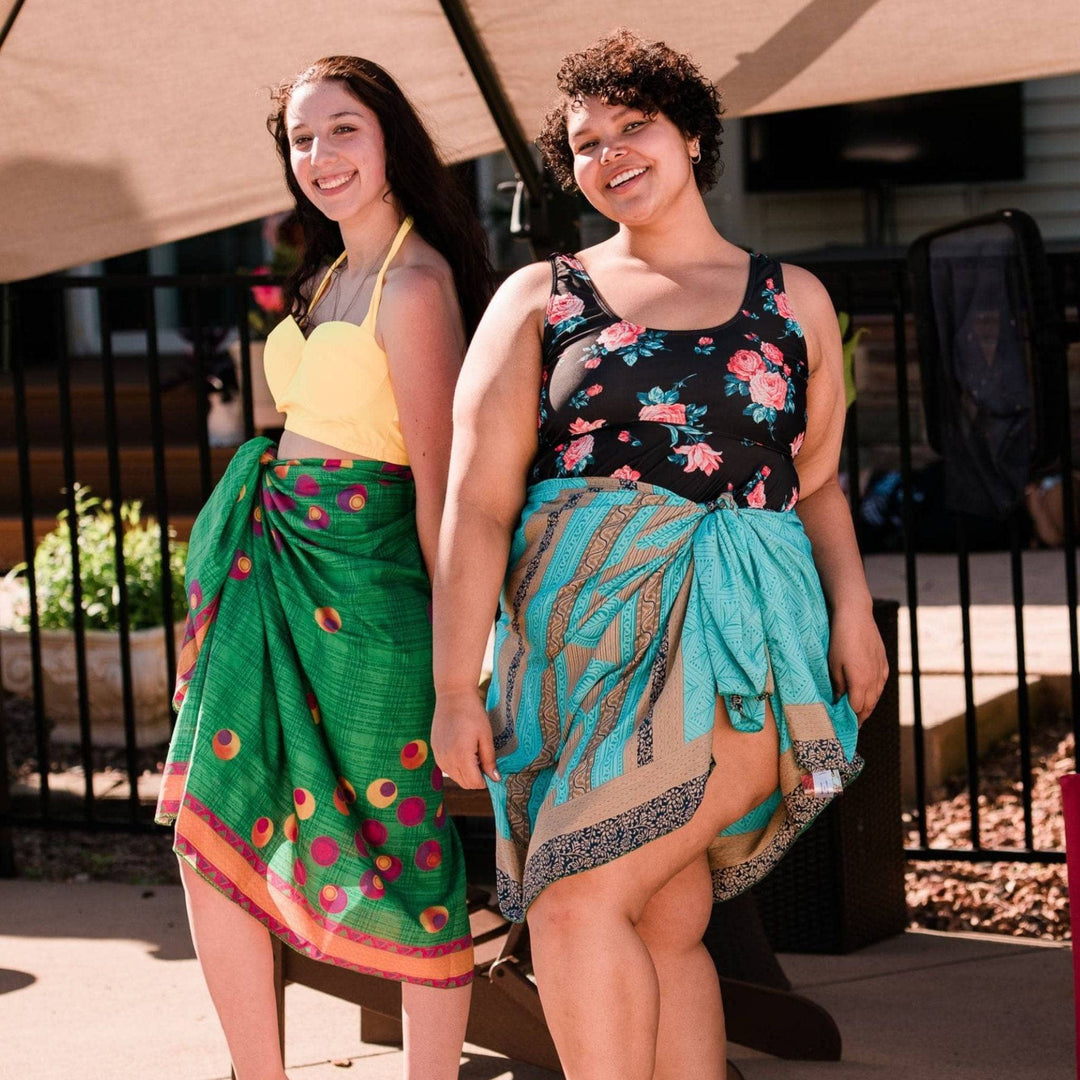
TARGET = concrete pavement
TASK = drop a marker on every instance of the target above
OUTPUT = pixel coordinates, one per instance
(99, 981)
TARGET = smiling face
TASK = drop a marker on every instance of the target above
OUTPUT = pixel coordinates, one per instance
(336, 150)
(629, 165)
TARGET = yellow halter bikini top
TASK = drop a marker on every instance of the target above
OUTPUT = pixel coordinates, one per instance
(334, 386)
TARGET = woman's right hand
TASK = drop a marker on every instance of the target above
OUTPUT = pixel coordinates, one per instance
(461, 739)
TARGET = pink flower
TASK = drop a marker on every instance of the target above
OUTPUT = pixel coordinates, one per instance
(704, 341)
(592, 362)
(756, 498)
(796, 446)
(790, 504)
(769, 388)
(626, 473)
(663, 414)
(770, 284)
(745, 364)
(620, 334)
(593, 390)
(566, 306)
(268, 297)
(783, 306)
(624, 436)
(700, 456)
(772, 352)
(579, 426)
(766, 471)
(577, 451)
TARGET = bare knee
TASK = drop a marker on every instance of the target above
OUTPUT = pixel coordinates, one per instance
(570, 907)
(675, 919)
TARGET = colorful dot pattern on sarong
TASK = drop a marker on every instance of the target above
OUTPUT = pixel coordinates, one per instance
(301, 764)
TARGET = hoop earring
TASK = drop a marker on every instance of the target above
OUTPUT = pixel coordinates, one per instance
(695, 159)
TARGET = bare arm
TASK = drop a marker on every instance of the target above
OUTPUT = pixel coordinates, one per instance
(857, 661)
(495, 410)
(421, 331)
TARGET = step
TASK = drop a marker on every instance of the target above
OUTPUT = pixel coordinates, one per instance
(183, 483)
(944, 722)
(86, 380)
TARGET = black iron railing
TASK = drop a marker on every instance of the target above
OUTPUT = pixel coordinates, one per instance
(864, 289)
(48, 357)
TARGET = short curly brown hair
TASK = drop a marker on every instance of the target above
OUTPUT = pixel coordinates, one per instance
(622, 69)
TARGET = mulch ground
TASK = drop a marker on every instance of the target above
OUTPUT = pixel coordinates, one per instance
(1015, 898)
(1019, 899)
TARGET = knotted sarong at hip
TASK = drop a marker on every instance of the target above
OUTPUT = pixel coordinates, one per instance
(299, 776)
(627, 611)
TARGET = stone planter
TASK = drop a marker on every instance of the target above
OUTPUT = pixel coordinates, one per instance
(151, 683)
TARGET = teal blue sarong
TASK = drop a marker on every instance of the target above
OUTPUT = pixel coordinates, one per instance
(627, 611)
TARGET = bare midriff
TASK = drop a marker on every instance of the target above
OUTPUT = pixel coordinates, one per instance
(292, 445)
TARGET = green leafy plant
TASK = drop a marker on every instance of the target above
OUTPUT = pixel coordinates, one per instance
(97, 568)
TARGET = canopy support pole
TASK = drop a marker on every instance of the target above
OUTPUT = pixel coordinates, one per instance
(551, 223)
(9, 22)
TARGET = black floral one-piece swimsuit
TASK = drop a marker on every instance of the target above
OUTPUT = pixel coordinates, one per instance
(714, 414)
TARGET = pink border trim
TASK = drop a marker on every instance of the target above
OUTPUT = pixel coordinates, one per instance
(226, 885)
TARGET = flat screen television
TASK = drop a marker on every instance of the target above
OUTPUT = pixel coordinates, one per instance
(947, 136)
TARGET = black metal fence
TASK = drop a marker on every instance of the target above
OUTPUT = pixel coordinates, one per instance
(37, 354)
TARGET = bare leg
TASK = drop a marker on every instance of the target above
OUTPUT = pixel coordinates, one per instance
(434, 1022)
(238, 965)
(690, 1039)
(599, 982)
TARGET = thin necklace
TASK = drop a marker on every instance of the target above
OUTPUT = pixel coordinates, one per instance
(366, 274)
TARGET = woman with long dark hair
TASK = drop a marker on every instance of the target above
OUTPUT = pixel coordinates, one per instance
(685, 646)
(306, 801)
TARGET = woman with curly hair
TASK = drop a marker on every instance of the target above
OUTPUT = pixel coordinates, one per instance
(306, 802)
(682, 657)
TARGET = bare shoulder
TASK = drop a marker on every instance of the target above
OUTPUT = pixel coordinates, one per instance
(520, 300)
(530, 284)
(806, 292)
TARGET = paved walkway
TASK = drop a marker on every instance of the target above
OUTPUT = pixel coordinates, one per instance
(99, 981)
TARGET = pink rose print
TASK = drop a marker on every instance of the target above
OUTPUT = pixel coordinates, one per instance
(592, 362)
(796, 446)
(624, 436)
(756, 498)
(700, 457)
(769, 388)
(621, 334)
(578, 449)
(783, 306)
(579, 426)
(560, 308)
(704, 341)
(745, 364)
(626, 473)
(663, 414)
(772, 353)
(593, 390)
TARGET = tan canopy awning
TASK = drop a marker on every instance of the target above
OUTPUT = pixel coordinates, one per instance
(126, 126)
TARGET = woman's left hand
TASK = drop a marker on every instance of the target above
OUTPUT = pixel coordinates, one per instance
(857, 663)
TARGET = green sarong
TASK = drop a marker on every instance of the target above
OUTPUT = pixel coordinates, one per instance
(627, 612)
(300, 777)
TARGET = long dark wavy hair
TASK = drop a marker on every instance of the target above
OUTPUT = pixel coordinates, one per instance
(423, 186)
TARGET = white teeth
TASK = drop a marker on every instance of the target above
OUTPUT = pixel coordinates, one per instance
(335, 182)
(623, 177)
